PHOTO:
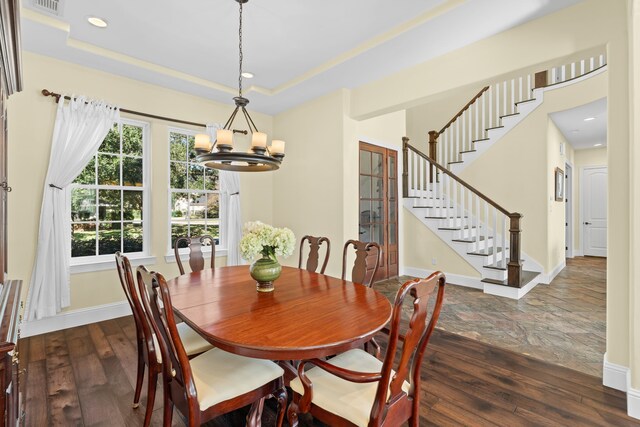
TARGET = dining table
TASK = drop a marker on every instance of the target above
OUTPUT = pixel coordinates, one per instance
(308, 315)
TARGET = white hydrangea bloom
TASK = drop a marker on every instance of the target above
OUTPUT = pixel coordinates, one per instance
(259, 238)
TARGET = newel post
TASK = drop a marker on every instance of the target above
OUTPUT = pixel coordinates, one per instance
(405, 166)
(433, 150)
(514, 268)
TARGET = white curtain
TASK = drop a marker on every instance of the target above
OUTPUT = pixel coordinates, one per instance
(231, 217)
(81, 126)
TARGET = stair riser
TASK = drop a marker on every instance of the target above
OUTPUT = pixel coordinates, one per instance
(489, 273)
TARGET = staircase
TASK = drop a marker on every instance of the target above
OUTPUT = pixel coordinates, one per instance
(482, 232)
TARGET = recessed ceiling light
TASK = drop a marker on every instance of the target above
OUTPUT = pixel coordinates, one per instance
(575, 131)
(97, 22)
(597, 145)
(247, 75)
(588, 119)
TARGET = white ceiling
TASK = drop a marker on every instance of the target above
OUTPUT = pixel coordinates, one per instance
(298, 49)
(581, 134)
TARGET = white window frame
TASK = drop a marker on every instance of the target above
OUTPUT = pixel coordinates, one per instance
(105, 262)
(221, 248)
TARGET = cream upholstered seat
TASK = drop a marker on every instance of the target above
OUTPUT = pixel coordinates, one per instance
(351, 401)
(355, 388)
(192, 342)
(220, 375)
(213, 383)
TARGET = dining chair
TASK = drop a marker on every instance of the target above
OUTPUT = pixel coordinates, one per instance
(357, 389)
(366, 263)
(314, 253)
(214, 383)
(149, 356)
(196, 257)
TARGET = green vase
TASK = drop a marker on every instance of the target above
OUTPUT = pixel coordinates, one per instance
(265, 270)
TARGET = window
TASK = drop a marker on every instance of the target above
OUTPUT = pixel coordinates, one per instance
(193, 191)
(109, 197)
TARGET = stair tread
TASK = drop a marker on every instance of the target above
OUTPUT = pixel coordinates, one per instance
(455, 228)
(495, 127)
(497, 267)
(459, 161)
(481, 139)
(527, 276)
(431, 207)
(468, 151)
(445, 217)
(526, 100)
(487, 253)
(468, 240)
(509, 115)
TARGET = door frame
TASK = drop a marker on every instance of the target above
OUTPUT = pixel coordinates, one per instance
(399, 198)
(568, 195)
(582, 201)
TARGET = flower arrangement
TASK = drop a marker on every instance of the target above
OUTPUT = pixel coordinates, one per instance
(259, 238)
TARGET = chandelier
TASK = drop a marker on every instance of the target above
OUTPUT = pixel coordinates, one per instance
(221, 154)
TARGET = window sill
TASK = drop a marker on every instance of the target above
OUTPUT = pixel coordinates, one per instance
(102, 265)
(184, 256)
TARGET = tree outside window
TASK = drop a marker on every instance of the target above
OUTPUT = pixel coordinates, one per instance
(107, 198)
(193, 190)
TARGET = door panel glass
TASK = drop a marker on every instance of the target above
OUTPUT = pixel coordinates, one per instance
(392, 233)
(365, 187)
(377, 231)
(377, 212)
(378, 191)
(365, 162)
(392, 167)
(377, 164)
(365, 211)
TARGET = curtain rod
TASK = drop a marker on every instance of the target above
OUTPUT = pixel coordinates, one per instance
(57, 96)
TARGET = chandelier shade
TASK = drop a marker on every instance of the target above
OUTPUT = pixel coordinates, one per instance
(221, 154)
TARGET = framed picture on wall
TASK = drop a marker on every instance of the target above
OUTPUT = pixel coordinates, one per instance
(559, 185)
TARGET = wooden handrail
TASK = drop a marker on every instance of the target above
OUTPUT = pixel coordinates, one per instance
(474, 99)
(460, 180)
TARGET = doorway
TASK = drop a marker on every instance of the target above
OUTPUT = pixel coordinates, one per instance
(378, 204)
(594, 211)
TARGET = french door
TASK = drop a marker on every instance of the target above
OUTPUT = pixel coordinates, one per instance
(378, 199)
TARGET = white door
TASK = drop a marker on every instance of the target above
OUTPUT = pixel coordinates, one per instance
(594, 210)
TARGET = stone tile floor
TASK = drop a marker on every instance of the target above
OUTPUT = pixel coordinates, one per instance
(561, 323)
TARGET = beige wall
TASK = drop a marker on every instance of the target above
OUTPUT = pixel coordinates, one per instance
(31, 118)
(308, 188)
(556, 240)
(583, 158)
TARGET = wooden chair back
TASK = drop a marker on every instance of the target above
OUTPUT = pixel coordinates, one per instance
(176, 366)
(414, 343)
(144, 332)
(366, 262)
(314, 253)
(196, 257)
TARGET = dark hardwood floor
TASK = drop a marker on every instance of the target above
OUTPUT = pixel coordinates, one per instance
(85, 376)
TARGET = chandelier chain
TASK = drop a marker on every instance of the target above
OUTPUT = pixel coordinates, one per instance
(240, 48)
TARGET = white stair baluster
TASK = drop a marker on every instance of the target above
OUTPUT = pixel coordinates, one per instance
(513, 96)
(477, 119)
(495, 235)
(504, 241)
(520, 82)
(601, 60)
(486, 225)
(563, 75)
(410, 172)
(582, 67)
(497, 121)
(463, 135)
(457, 152)
(483, 125)
(529, 86)
(463, 207)
(490, 109)
(573, 70)
(592, 63)
(477, 213)
(504, 100)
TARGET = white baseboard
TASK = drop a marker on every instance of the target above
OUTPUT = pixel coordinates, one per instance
(633, 401)
(548, 278)
(508, 291)
(613, 375)
(70, 319)
(577, 252)
(453, 279)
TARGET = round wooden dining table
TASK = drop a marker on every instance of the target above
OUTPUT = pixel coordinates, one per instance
(308, 315)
